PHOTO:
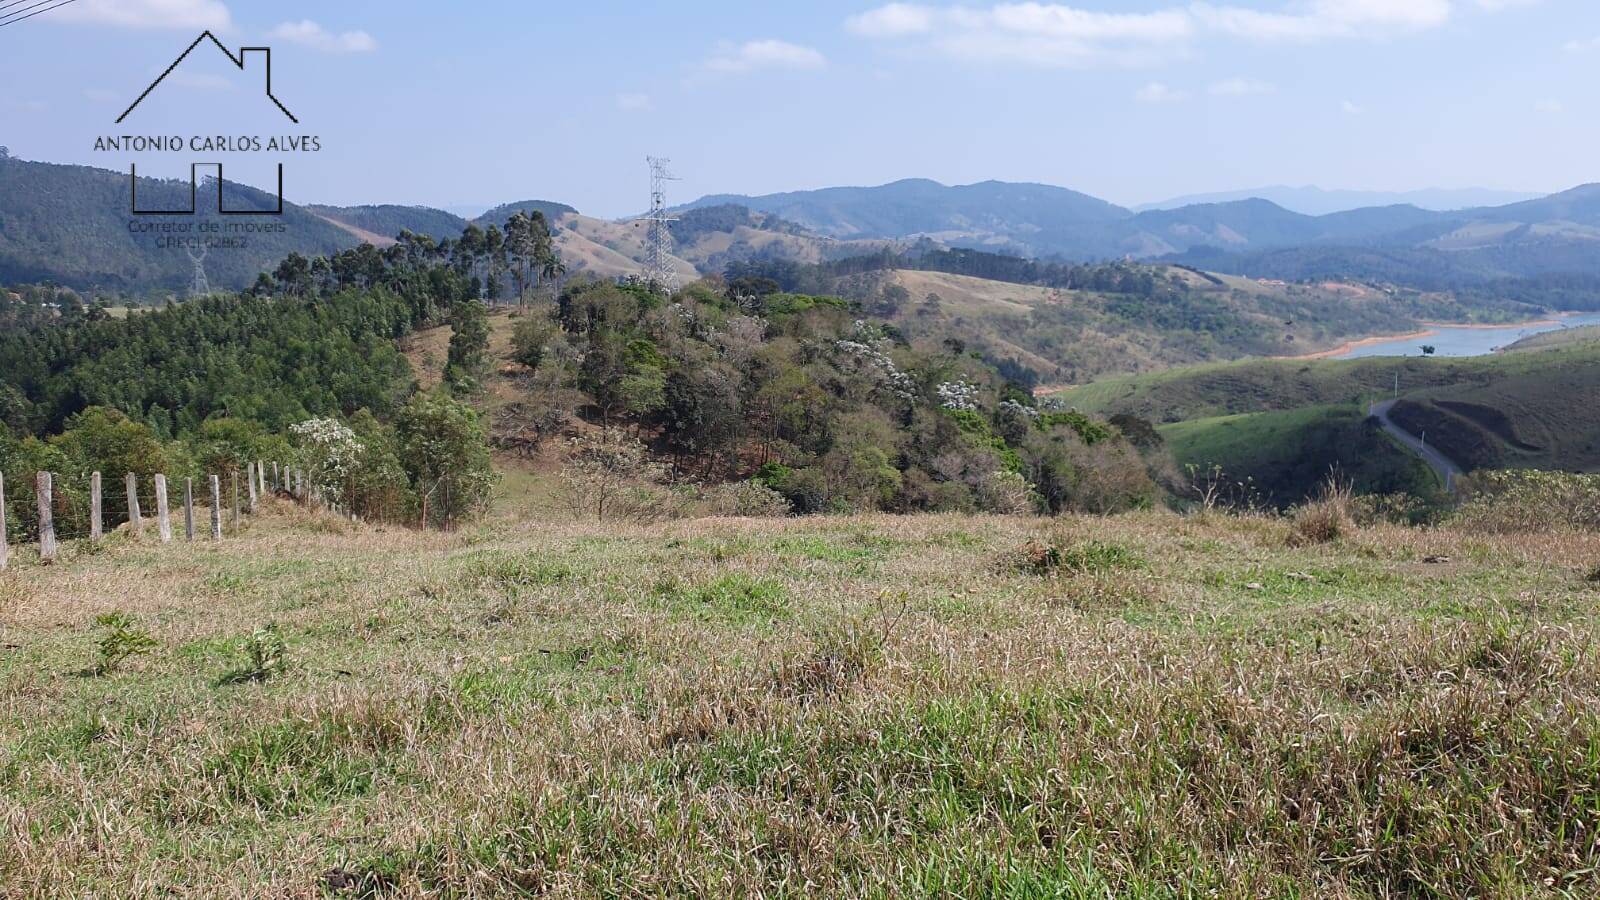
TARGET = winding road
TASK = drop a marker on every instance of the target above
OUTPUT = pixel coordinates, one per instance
(1442, 465)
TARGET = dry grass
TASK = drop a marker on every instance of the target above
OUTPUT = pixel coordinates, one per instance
(864, 706)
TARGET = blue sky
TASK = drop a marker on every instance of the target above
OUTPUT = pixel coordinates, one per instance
(484, 102)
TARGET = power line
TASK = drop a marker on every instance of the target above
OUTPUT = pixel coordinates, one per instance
(658, 263)
(19, 17)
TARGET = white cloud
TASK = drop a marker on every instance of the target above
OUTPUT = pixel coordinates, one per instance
(893, 20)
(1550, 107)
(1324, 19)
(176, 14)
(634, 102)
(1156, 92)
(1351, 108)
(313, 35)
(1240, 87)
(1497, 5)
(1058, 34)
(768, 54)
(1583, 46)
(1036, 34)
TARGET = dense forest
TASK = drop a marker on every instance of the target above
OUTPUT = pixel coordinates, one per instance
(304, 368)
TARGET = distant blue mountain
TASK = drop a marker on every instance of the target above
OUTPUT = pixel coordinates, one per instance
(1314, 201)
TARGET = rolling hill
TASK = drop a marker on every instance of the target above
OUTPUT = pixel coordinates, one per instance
(389, 220)
(44, 207)
(992, 213)
(1248, 236)
(70, 225)
(1315, 201)
(1127, 318)
(1260, 418)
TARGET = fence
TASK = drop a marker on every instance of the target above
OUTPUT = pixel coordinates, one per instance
(65, 512)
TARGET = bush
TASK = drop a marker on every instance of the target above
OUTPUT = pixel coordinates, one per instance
(1325, 519)
(1086, 558)
(609, 475)
(264, 652)
(1511, 501)
(120, 641)
(445, 452)
(748, 498)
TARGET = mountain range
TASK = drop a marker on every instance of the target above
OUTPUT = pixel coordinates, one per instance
(46, 207)
(1314, 201)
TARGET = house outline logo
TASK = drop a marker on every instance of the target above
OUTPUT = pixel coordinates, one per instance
(238, 61)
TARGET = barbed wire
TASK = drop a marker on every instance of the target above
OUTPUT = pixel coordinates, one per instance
(72, 505)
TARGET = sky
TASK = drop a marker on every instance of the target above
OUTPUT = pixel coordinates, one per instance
(477, 103)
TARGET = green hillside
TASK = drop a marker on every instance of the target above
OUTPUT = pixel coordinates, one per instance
(1522, 409)
(1255, 385)
(502, 214)
(70, 225)
(1284, 456)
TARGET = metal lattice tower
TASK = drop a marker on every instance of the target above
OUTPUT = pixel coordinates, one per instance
(199, 286)
(657, 260)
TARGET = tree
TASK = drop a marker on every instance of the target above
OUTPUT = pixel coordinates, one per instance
(469, 345)
(1428, 349)
(445, 452)
(294, 275)
(531, 340)
(532, 255)
(608, 475)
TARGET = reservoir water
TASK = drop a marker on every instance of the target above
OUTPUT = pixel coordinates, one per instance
(1448, 341)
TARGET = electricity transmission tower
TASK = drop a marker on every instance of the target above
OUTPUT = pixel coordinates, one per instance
(658, 264)
(199, 286)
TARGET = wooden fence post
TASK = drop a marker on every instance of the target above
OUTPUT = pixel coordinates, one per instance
(261, 480)
(96, 529)
(233, 478)
(251, 474)
(96, 521)
(135, 521)
(277, 484)
(188, 509)
(163, 510)
(5, 549)
(216, 508)
(47, 517)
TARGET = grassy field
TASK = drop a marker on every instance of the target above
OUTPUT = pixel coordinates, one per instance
(1145, 706)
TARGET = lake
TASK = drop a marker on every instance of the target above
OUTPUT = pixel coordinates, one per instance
(1469, 341)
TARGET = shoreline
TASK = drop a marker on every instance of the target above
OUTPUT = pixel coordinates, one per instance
(1532, 323)
(1432, 330)
(1358, 343)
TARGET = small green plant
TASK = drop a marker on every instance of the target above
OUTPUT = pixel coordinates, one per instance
(120, 641)
(264, 650)
(1089, 557)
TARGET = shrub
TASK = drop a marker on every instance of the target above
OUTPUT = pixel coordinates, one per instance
(120, 641)
(1325, 519)
(1086, 558)
(609, 475)
(445, 452)
(264, 652)
(1528, 501)
(748, 498)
